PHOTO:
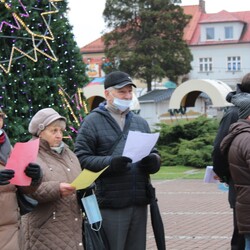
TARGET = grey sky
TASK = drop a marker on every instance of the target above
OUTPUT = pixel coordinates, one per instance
(86, 15)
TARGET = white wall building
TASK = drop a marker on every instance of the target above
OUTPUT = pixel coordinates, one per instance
(221, 46)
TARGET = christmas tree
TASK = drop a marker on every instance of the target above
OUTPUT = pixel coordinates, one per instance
(40, 65)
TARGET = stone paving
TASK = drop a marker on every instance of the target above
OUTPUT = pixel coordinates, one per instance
(196, 215)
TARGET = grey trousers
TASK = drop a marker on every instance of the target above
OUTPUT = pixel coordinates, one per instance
(126, 228)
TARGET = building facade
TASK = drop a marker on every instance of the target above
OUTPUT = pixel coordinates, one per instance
(220, 45)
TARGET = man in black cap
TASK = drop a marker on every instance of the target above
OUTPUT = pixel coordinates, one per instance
(122, 189)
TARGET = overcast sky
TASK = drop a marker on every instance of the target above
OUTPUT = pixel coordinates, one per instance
(86, 15)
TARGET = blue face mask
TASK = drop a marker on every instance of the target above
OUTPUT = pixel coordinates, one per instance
(122, 105)
(92, 209)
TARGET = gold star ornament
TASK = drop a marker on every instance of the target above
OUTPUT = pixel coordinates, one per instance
(21, 25)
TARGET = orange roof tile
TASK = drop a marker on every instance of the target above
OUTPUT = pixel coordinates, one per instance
(222, 16)
(96, 46)
(195, 11)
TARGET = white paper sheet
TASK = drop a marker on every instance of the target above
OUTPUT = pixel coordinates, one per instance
(210, 175)
(139, 145)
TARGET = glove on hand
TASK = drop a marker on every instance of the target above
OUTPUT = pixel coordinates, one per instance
(151, 163)
(33, 171)
(120, 164)
(6, 175)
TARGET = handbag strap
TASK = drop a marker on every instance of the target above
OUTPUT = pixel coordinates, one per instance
(115, 144)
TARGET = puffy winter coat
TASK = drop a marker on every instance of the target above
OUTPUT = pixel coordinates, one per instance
(94, 146)
(9, 218)
(220, 161)
(237, 146)
(56, 223)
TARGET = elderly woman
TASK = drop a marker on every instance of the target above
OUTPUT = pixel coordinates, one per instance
(56, 222)
(10, 233)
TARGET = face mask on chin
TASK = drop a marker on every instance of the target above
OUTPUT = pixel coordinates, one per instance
(58, 149)
(122, 105)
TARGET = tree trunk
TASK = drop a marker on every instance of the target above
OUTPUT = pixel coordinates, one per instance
(149, 84)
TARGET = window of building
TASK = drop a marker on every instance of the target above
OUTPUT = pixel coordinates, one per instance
(229, 32)
(233, 63)
(205, 64)
(210, 33)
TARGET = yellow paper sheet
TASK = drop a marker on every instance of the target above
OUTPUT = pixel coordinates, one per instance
(86, 178)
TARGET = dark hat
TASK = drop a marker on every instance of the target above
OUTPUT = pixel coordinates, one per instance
(242, 101)
(42, 119)
(117, 80)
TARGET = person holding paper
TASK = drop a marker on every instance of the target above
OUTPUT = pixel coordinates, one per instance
(121, 190)
(56, 222)
(10, 233)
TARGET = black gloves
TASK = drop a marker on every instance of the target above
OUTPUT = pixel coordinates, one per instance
(151, 163)
(120, 164)
(6, 175)
(33, 171)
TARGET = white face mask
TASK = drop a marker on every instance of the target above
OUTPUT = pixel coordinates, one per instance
(122, 105)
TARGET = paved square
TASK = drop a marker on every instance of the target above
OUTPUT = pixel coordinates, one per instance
(196, 215)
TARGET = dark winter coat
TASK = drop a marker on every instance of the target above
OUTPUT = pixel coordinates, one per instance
(220, 161)
(94, 147)
(237, 146)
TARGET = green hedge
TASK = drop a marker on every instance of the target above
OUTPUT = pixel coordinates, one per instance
(188, 143)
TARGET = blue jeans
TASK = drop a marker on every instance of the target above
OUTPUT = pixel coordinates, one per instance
(247, 240)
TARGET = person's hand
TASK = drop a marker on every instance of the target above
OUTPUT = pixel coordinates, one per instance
(120, 164)
(33, 171)
(66, 189)
(6, 175)
(223, 179)
(151, 163)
